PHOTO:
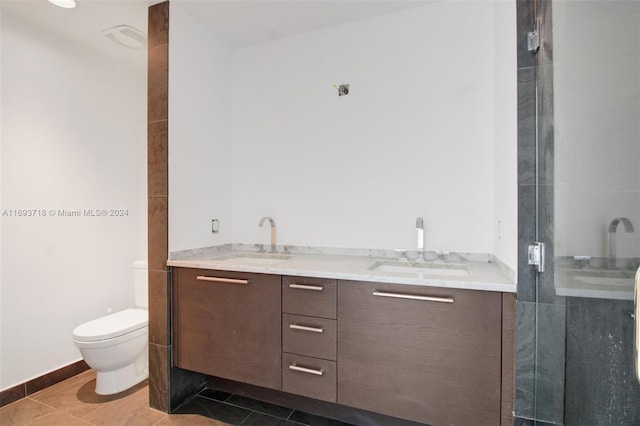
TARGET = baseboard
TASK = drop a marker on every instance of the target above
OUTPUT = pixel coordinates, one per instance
(22, 390)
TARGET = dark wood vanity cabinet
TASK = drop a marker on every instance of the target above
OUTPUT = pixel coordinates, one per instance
(227, 324)
(433, 355)
(427, 354)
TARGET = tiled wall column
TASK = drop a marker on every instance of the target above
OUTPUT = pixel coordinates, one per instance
(540, 318)
(526, 307)
(158, 195)
(168, 386)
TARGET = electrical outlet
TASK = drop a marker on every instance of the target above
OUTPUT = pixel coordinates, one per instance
(215, 226)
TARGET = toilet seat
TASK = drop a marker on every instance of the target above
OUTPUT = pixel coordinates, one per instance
(112, 326)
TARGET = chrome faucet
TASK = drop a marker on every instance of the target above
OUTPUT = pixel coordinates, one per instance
(273, 231)
(420, 230)
(613, 227)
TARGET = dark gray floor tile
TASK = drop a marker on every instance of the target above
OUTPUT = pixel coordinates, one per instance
(260, 406)
(184, 384)
(374, 419)
(214, 410)
(215, 394)
(259, 419)
(313, 420)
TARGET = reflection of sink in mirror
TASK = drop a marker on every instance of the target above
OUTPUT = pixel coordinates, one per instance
(596, 273)
(419, 269)
(605, 280)
(255, 258)
(614, 284)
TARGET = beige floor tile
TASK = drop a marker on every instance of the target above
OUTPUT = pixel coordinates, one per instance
(71, 393)
(58, 419)
(188, 420)
(70, 382)
(75, 403)
(78, 397)
(22, 412)
(131, 410)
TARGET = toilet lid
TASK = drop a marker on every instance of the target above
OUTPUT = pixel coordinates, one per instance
(111, 326)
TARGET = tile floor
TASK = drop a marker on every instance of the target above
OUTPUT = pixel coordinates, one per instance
(238, 410)
(73, 402)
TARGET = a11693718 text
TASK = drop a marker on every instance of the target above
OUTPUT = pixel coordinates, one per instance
(65, 212)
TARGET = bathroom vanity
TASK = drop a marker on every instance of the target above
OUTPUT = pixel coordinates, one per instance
(435, 354)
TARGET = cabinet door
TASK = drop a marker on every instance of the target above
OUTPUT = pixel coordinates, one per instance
(227, 324)
(429, 361)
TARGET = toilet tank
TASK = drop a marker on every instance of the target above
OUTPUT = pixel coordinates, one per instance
(141, 283)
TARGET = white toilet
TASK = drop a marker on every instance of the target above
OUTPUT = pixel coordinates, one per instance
(117, 346)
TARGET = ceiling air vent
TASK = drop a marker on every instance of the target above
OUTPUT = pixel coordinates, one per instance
(126, 36)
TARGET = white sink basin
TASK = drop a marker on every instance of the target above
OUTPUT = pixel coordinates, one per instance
(255, 259)
(420, 269)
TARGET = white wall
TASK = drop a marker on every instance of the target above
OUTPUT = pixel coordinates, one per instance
(429, 130)
(73, 137)
(415, 137)
(506, 134)
(199, 133)
(597, 135)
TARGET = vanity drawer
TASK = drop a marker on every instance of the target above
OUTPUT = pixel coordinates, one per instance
(310, 336)
(311, 377)
(315, 297)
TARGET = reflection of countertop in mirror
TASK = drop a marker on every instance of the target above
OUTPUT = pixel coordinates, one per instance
(595, 283)
(456, 270)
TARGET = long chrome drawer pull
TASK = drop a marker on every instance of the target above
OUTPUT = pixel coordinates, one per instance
(295, 367)
(306, 287)
(306, 328)
(414, 297)
(222, 280)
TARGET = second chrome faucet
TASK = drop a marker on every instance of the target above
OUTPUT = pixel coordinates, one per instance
(273, 231)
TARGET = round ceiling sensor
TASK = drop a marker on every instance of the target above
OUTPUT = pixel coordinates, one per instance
(67, 4)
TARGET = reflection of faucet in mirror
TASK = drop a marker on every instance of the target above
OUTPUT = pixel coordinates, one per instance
(273, 232)
(613, 227)
(420, 230)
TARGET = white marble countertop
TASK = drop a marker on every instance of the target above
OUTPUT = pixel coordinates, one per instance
(453, 270)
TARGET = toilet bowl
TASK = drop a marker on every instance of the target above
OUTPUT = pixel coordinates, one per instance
(116, 346)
